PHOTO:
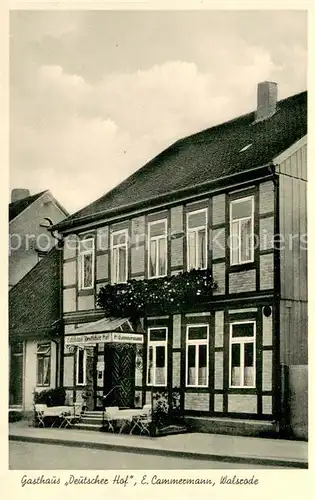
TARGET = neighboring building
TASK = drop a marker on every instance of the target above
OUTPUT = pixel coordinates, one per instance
(202, 203)
(35, 331)
(34, 295)
(29, 240)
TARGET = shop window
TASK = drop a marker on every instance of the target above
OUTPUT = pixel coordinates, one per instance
(157, 249)
(157, 357)
(119, 256)
(197, 367)
(43, 364)
(242, 354)
(197, 239)
(86, 256)
(242, 231)
(81, 367)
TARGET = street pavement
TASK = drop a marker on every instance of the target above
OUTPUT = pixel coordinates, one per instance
(41, 456)
(194, 446)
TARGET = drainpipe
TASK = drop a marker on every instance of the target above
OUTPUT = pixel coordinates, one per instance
(278, 406)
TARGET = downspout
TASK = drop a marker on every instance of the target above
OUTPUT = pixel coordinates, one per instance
(277, 406)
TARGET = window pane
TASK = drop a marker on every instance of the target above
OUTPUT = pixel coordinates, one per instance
(157, 334)
(152, 269)
(87, 270)
(150, 365)
(234, 243)
(249, 374)
(162, 257)
(86, 244)
(191, 365)
(202, 372)
(192, 250)
(235, 365)
(246, 240)
(119, 239)
(249, 354)
(202, 249)
(43, 348)
(197, 220)
(122, 264)
(80, 367)
(17, 348)
(197, 332)
(242, 209)
(40, 370)
(160, 356)
(46, 375)
(243, 330)
(160, 365)
(157, 229)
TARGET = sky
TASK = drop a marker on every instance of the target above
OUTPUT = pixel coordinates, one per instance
(94, 95)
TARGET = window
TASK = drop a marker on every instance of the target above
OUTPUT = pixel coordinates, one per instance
(86, 264)
(81, 367)
(119, 256)
(242, 354)
(157, 356)
(241, 230)
(157, 249)
(43, 364)
(197, 356)
(197, 239)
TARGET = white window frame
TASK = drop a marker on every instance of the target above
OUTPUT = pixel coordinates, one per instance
(157, 238)
(251, 218)
(154, 344)
(242, 341)
(42, 355)
(112, 253)
(196, 343)
(196, 230)
(77, 383)
(82, 253)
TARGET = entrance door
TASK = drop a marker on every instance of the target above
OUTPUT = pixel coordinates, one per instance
(119, 375)
(16, 374)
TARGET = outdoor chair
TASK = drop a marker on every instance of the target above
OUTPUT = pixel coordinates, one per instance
(111, 416)
(143, 421)
(39, 414)
(72, 416)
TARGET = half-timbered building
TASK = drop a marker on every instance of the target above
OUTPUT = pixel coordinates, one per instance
(230, 200)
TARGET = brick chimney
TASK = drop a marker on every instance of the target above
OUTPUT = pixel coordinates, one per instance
(19, 194)
(267, 93)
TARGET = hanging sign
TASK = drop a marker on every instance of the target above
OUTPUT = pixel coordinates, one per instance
(111, 337)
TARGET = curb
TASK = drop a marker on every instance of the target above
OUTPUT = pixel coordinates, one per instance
(160, 452)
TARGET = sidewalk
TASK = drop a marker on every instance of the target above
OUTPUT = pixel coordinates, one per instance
(224, 448)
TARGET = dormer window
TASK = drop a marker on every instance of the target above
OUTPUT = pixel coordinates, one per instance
(86, 263)
(242, 230)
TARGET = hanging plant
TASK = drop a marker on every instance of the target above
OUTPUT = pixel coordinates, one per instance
(137, 298)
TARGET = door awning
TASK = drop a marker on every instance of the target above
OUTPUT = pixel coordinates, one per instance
(106, 330)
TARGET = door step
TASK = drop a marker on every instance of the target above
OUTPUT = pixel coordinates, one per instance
(87, 427)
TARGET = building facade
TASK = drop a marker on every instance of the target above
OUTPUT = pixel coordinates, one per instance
(231, 201)
(34, 296)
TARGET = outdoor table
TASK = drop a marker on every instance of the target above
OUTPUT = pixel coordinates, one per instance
(127, 416)
(56, 412)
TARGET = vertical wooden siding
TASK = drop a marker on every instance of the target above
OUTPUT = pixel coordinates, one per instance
(293, 258)
(293, 227)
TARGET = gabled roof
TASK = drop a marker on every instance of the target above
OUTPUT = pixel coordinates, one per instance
(205, 157)
(34, 302)
(16, 207)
